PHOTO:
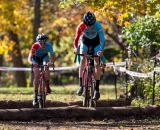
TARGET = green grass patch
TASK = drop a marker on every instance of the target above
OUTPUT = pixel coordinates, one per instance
(59, 93)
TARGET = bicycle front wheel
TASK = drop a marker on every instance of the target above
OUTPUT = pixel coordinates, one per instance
(86, 89)
(42, 99)
(92, 103)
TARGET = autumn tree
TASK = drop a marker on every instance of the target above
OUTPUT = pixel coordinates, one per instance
(37, 18)
(14, 25)
(116, 14)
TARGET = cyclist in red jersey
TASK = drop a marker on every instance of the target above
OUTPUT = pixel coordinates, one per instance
(38, 56)
(89, 33)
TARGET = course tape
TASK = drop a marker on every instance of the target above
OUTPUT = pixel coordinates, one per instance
(116, 66)
(56, 68)
(140, 75)
(29, 69)
(133, 73)
(157, 69)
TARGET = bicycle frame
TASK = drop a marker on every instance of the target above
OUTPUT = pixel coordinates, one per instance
(88, 81)
(42, 91)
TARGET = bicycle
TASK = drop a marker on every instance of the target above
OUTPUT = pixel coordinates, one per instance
(88, 81)
(42, 87)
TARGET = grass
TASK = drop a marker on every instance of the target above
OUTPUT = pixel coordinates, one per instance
(59, 93)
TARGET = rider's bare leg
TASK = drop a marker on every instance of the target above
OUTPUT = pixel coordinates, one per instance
(82, 65)
(97, 69)
(97, 78)
(47, 76)
(81, 68)
(36, 83)
(36, 78)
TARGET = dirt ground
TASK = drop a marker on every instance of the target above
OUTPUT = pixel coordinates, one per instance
(131, 124)
(71, 116)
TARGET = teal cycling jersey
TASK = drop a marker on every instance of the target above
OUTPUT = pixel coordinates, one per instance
(40, 54)
(90, 33)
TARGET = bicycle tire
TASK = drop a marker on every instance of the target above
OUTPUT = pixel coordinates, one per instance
(42, 99)
(86, 93)
(93, 103)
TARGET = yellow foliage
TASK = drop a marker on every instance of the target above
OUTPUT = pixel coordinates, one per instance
(60, 22)
(7, 56)
(125, 15)
(6, 46)
(97, 13)
(4, 49)
(115, 59)
(15, 17)
(25, 51)
(158, 14)
(126, 23)
(1, 50)
(3, 46)
(120, 17)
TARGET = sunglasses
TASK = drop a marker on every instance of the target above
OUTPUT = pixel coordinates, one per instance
(42, 41)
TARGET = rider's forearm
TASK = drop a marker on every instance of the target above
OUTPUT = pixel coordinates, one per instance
(102, 38)
(52, 59)
(79, 30)
(103, 59)
(30, 58)
(75, 43)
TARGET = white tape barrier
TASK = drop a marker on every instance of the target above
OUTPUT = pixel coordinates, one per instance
(14, 69)
(140, 75)
(56, 68)
(132, 73)
(29, 69)
(114, 65)
(157, 69)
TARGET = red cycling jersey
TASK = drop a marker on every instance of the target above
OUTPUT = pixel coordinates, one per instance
(79, 30)
(90, 33)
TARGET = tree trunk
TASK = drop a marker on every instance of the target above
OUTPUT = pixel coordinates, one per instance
(117, 40)
(17, 60)
(1, 57)
(37, 17)
(1, 63)
(36, 25)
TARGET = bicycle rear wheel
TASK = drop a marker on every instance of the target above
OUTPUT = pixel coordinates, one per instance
(92, 103)
(86, 89)
(42, 99)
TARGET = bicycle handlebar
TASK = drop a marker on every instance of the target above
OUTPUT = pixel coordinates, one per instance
(46, 65)
(42, 66)
(88, 55)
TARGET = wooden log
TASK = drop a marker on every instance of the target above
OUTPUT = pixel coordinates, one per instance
(28, 104)
(78, 113)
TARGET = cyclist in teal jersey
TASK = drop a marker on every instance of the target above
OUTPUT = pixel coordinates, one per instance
(89, 33)
(38, 56)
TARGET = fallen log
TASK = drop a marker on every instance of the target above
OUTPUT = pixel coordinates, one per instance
(28, 104)
(78, 113)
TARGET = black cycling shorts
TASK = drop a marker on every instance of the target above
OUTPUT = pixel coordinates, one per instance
(91, 42)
